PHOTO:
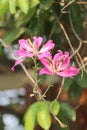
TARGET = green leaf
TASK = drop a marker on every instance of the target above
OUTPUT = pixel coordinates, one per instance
(55, 106)
(46, 4)
(23, 19)
(76, 14)
(40, 22)
(62, 118)
(68, 111)
(33, 3)
(30, 117)
(43, 116)
(68, 82)
(3, 7)
(81, 80)
(74, 90)
(24, 5)
(13, 35)
(12, 6)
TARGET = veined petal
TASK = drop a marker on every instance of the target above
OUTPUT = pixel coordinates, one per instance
(57, 57)
(44, 55)
(47, 47)
(37, 41)
(23, 53)
(45, 71)
(69, 72)
(16, 63)
(24, 44)
(66, 61)
(46, 63)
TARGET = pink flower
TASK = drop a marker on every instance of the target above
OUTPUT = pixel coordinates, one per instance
(28, 49)
(59, 65)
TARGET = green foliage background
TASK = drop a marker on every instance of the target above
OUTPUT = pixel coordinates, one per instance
(26, 18)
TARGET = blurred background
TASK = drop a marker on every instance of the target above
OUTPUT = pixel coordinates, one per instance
(51, 19)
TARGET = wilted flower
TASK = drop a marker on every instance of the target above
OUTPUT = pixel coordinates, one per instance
(29, 49)
(59, 65)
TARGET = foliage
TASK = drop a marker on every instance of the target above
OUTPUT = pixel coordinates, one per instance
(38, 111)
(26, 18)
(68, 111)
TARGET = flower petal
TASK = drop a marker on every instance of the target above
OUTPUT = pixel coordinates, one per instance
(23, 53)
(37, 41)
(48, 46)
(66, 61)
(57, 58)
(46, 63)
(69, 72)
(45, 71)
(44, 55)
(16, 63)
(24, 44)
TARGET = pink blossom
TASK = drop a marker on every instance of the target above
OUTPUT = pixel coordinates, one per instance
(59, 65)
(29, 49)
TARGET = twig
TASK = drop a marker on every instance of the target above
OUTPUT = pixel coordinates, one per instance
(48, 87)
(76, 35)
(32, 83)
(23, 67)
(70, 44)
(4, 45)
(81, 2)
(62, 125)
(60, 89)
(28, 75)
(76, 2)
(67, 5)
(83, 66)
(67, 38)
(74, 31)
(78, 106)
(76, 51)
(80, 44)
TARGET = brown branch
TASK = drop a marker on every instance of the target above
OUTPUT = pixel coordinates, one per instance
(80, 42)
(84, 65)
(38, 95)
(60, 89)
(67, 38)
(75, 2)
(62, 125)
(74, 31)
(70, 44)
(67, 5)
(76, 51)
(32, 82)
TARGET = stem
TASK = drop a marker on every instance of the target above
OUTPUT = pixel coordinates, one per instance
(28, 75)
(67, 5)
(76, 2)
(62, 125)
(36, 85)
(49, 86)
(60, 90)
(32, 82)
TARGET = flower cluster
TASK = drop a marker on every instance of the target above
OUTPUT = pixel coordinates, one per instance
(59, 64)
